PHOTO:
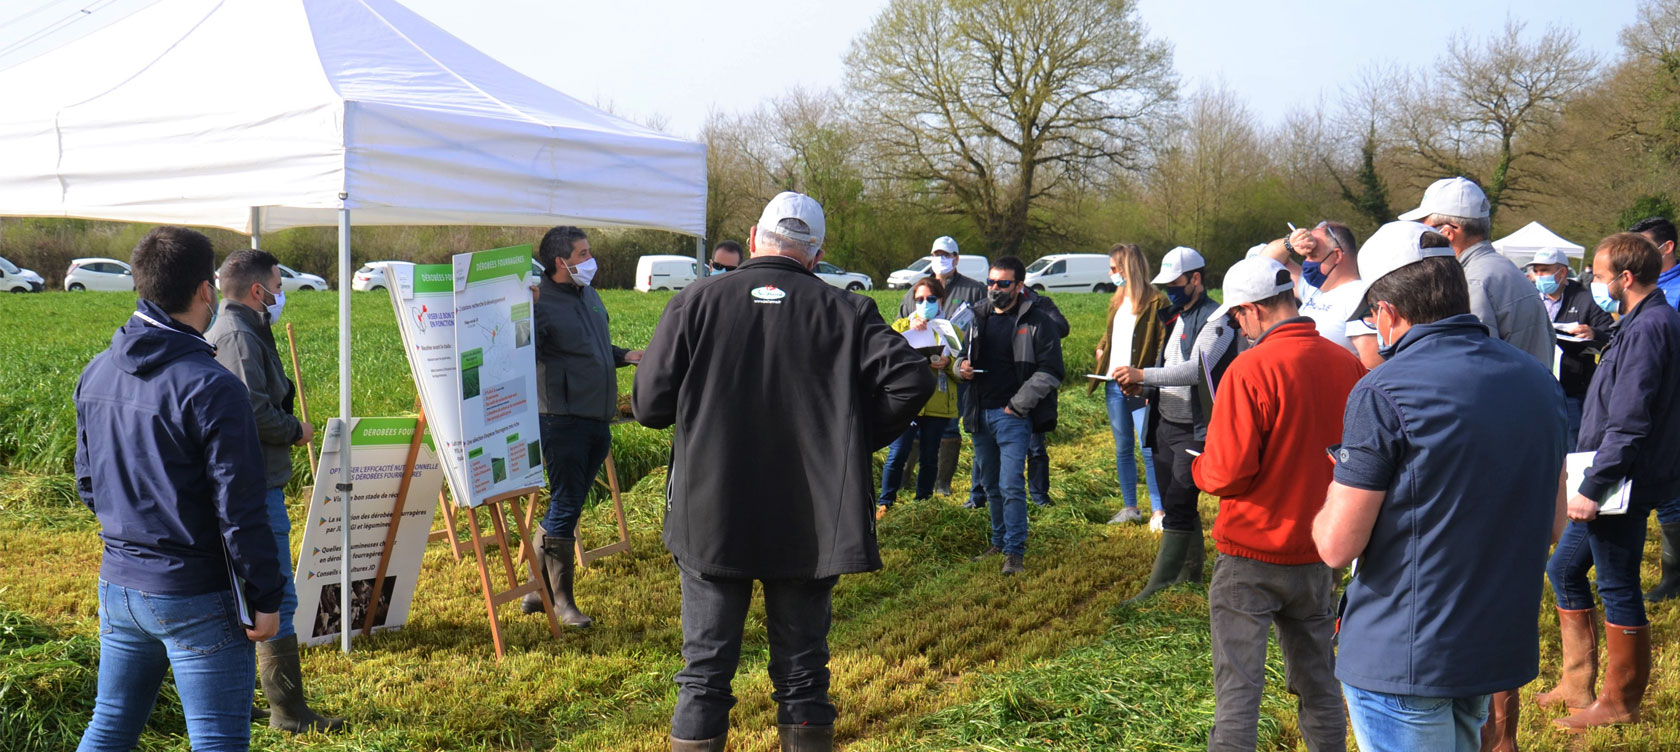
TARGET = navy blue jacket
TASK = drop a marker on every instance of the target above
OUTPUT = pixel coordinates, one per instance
(1630, 418)
(167, 457)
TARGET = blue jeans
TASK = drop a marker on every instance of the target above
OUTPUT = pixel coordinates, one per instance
(1402, 723)
(1000, 451)
(1668, 512)
(928, 430)
(1125, 419)
(797, 616)
(573, 450)
(282, 525)
(1612, 547)
(142, 635)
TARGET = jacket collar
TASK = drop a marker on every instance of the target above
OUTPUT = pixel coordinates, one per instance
(1462, 325)
(1656, 296)
(1476, 251)
(770, 261)
(1299, 326)
(245, 315)
(549, 285)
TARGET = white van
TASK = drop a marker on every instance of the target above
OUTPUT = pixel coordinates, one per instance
(973, 267)
(1070, 272)
(14, 279)
(665, 272)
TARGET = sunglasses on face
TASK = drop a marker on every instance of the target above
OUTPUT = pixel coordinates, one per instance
(1003, 283)
(723, 267)
(928, 299)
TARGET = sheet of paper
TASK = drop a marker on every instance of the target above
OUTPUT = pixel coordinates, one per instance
(1578, 463)
(1098, 377)
(948, 334)
(920, 338)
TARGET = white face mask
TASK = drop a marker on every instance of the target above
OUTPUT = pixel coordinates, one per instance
(277, 306)
(943, 265)
(584, 272)
(1118, 280)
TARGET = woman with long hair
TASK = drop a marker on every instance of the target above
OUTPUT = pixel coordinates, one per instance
(925, 431)
(1133, 337)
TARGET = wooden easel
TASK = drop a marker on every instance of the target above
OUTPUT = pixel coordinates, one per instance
(516, 589)
(623, 542)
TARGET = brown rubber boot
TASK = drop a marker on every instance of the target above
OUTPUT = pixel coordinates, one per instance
(1499, 733)
(1580, 661)
(714, 744)
(1627, 671)
(948, 449)
(797, 738)
(560, 568)
(282, 681)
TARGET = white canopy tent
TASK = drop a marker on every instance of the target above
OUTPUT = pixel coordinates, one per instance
(1520, 246)
(257, 115)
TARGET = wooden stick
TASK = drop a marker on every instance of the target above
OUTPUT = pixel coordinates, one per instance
(528, 555)
(397, 509)
(623, 543)
(303, 404)
(484, 582)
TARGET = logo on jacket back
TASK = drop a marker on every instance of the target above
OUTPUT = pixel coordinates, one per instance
(769, 294)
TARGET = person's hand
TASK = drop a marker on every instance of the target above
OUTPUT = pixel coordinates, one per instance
(1582, 509)
(1114, 373)
(634, 356)
(267, 624)
(1128, 376)
(1303, 242)
(938, 362)
(965, 370)
(308, 434)
(1581, 330)
(1131, 390)
(918, 323)
(1009, 412)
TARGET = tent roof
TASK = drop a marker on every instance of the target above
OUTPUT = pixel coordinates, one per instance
(195, 111)
(1520, 246)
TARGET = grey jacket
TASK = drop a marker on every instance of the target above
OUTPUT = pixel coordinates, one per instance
(245, 345)
(1506, 302)
(575, 354)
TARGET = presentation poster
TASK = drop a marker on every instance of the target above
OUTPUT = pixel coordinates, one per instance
(498, 373)
(380, 455)
(424, 298)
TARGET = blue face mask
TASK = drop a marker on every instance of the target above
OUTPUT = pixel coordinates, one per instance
(1177, 295)
(928, 309)
(1313, 274)
(1601, 296)
(1546, 284)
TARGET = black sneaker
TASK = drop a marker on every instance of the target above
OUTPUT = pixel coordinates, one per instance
(1013, 564)
(988, 553)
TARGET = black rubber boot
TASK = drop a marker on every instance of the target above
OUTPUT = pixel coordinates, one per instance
(1169, 562)
(560, 568)
(1669, 587)
(532, 602)
(1193, 558)
(908, 479)
(948, 449)
(714, 744)
(797, 738)
(282, 682)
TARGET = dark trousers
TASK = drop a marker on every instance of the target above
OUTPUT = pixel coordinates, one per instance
(797, 615)
(1172, 471)
(573, 450)
(1248, 598)
(1038, 470)
(927, 429)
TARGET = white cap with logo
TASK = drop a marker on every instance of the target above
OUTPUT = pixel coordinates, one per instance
(1456, 197)
(1550, 256)
(1179, 261)
(1391, 247)
(947, 244)
(1251, 280)
(790, 205)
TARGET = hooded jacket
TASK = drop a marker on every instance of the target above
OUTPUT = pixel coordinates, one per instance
(781, 387)
(244, 344)
(167, 457)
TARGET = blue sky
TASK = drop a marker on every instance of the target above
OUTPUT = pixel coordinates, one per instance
(680, 58)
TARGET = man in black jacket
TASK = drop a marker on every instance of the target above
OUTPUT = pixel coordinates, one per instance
(1016, 353)
(577, 401)
(1570, 302)
(830, 383)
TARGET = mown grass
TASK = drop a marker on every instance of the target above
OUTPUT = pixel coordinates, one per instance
(934, 652)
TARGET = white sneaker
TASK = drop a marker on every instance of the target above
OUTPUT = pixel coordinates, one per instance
(1155, 521)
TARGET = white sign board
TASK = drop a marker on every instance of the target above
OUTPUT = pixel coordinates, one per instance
(380, 456)
(423, 296)
(495, 343)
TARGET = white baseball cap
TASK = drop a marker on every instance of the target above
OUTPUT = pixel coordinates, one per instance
(1550, 256)
(790, 205)
(1457, 197)
(1179, 261)
(947, 244)
(1253, 279)
(1391, 247)
(1255, 250)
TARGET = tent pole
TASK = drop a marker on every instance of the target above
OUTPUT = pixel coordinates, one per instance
(256, 228)
(700, 256)
(344, 595)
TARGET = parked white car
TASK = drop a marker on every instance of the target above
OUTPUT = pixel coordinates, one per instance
(845, 280)
(99, 274)
(14, 279)
(973, 267)
(1070, 272)
(665, 272)
(292, 280)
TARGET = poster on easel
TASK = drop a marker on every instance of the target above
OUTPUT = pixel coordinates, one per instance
(423, 296)
(495, 346)
(379, 459)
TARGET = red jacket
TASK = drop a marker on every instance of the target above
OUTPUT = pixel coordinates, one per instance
(1275, 415)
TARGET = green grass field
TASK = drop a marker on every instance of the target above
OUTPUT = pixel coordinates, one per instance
(931, 653)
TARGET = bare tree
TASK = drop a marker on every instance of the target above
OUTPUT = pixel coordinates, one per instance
(1001, 104)
(1487, 114)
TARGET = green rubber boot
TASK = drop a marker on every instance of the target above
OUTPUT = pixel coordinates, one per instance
(1169, 562)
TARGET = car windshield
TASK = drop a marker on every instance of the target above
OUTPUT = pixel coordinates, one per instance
(1037, 266)
(920, 264)
(9, 267)
(286, 271)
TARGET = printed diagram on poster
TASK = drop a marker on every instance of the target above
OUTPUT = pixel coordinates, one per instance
(380, 455)
(498, 374)
(424, 298)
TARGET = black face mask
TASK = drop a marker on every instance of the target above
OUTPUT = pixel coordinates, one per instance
(1003, 299)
